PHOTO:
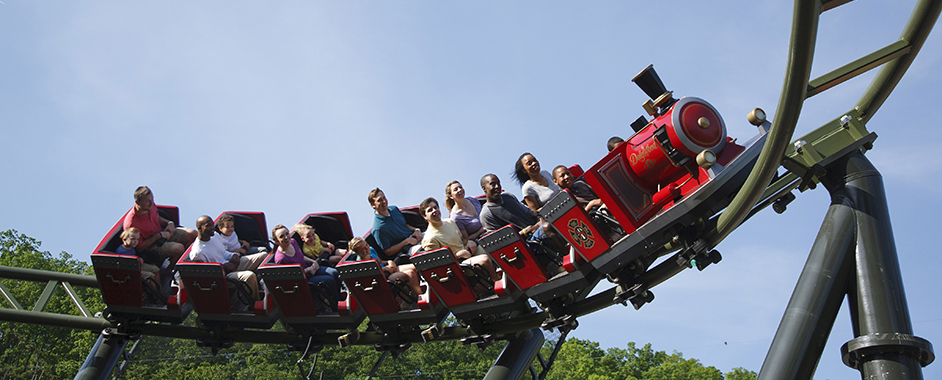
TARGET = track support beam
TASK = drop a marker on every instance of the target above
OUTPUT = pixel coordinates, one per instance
(103, 356)
(854, 255)
(516, 357)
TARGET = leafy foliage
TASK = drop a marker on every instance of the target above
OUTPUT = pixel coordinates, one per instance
(583, 359)
(740, 373)
(164, 357)
(34, 351)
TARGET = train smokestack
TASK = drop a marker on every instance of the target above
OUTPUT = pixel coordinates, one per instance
(651, 84)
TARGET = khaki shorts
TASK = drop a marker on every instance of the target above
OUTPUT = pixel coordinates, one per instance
(149, 271)
(179, 236)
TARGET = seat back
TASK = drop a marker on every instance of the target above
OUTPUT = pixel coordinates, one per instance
(576, 171)
(112, 240)
(120, 279)
(510, 252)
(367, 282)
(289, 287)
(575, 225)
(207, 285)
(329, 228)
(250, 226)
(443, 272)
(414, 218)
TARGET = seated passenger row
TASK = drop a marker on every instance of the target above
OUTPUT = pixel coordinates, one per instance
(238, 260)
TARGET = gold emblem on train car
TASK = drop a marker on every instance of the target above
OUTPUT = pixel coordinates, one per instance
(581, 234)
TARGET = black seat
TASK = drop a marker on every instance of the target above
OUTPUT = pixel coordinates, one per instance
(415, 220)
(113, 242)
(247, 229)
(399, 259)
(329, 229)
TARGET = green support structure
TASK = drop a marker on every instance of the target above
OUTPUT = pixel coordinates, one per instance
(855, 256)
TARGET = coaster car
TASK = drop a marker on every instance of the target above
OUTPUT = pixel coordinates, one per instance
(388, 305)
(288, 285)
(702, 194)
(224, 302)
(303, 308)
(122, 287)
(533, 272)
(468, 292)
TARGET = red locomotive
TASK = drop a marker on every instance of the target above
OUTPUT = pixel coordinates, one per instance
(665, 160)
(660, 185)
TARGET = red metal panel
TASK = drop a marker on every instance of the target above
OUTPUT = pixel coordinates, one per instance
(572, 261)
(372, 292)
(622, 201)
(446, 277)
(120, 279)
(207, 286)
(582, 234)
(504, 287)
(517, 260)
(348, 305)
(293, 296)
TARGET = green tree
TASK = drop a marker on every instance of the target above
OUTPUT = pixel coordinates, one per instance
(583, 359)
(740, 373)
(675, 367)
(34, 351)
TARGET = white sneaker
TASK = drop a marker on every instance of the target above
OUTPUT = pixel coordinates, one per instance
(165, 264)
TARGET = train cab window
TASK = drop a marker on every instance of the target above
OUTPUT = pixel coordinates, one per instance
(635, 198)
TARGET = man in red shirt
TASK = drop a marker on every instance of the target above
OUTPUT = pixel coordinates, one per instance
(158, 235)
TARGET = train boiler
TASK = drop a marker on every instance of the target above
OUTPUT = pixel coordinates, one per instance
(661, 184)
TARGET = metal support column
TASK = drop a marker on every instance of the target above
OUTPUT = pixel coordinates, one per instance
(884, 347)
(854, 253)
(103, 356)
(516, 357)
(816, 300)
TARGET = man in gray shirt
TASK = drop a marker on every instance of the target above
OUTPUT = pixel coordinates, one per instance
(502, 209)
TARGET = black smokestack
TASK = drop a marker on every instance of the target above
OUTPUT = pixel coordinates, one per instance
(649, 82)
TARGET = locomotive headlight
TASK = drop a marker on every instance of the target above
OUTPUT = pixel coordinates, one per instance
(756, 117)
(706, 158)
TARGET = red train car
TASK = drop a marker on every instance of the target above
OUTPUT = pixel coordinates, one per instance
(212, 293)
(677, 170)
(289, 287)
(121, 284)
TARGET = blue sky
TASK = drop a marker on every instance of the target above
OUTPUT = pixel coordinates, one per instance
(292, 108)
